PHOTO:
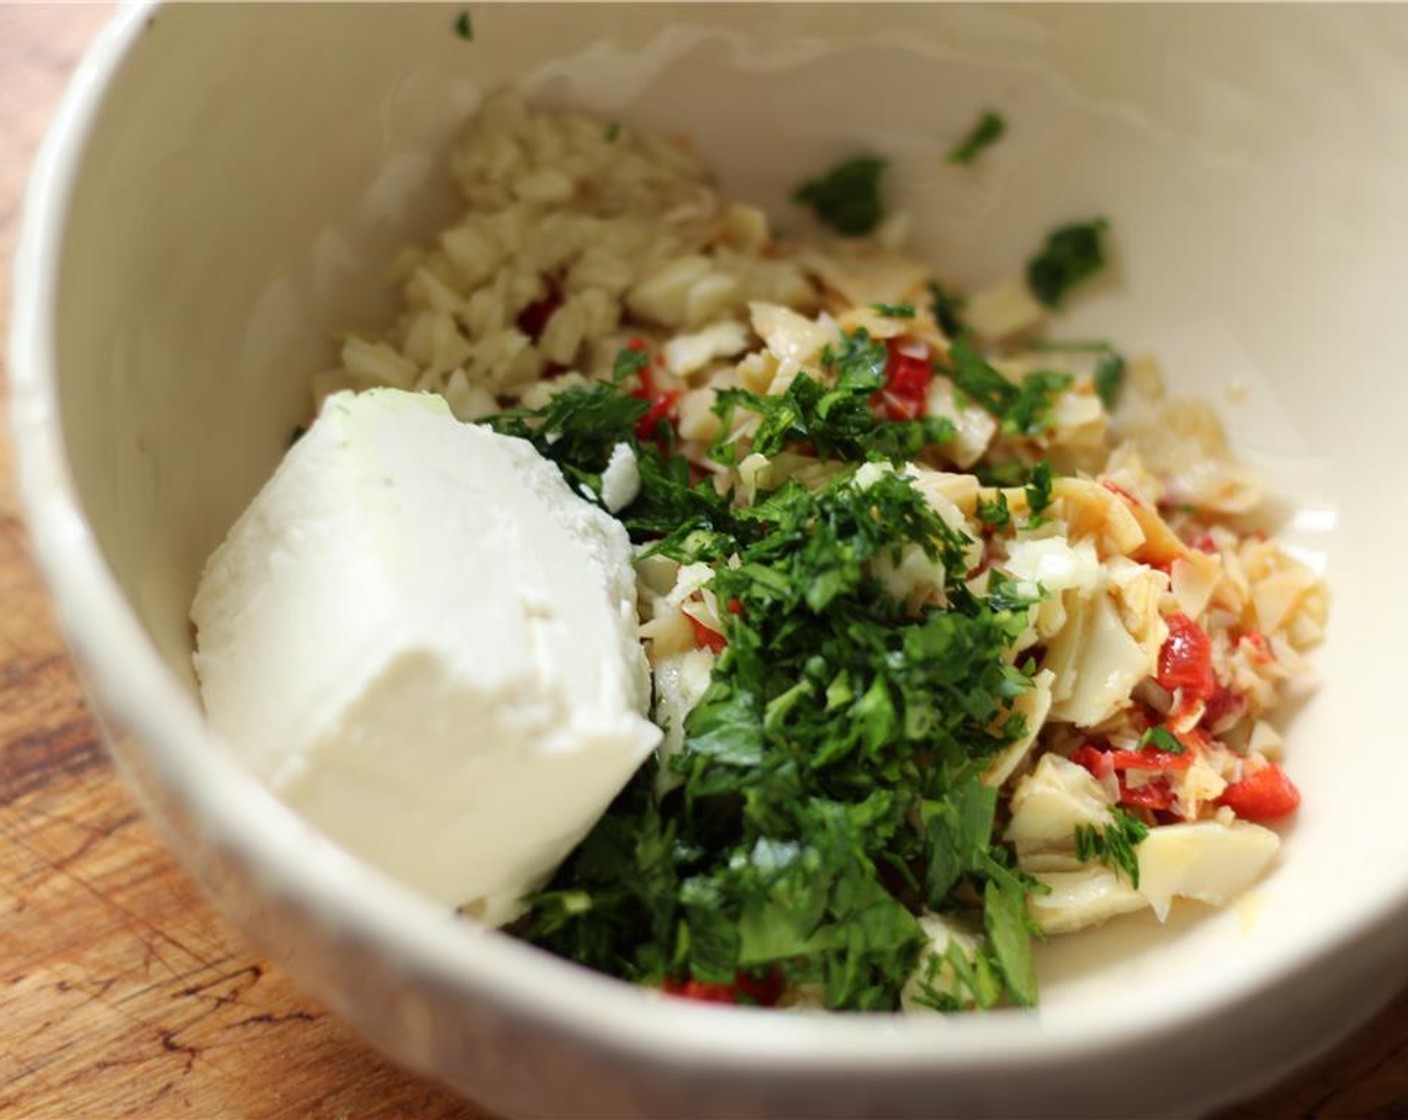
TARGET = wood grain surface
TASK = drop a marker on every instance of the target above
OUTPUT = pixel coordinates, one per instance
(121, 992)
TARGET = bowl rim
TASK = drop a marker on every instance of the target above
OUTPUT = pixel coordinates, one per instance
(122, 664)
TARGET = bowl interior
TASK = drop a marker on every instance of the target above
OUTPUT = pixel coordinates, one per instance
(254, 169)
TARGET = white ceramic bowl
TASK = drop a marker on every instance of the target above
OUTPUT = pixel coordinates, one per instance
(225, 185)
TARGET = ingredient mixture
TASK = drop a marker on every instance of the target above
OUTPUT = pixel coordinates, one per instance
(948, 651)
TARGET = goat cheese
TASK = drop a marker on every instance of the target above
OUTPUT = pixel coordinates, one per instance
(421, 639)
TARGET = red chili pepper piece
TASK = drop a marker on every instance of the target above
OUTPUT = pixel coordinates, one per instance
(647, 390)
(1221, 704)
(658, 412)
(533, 319)
(1155, 795)
(1186, 660)
(907, 381)
(706, 636)
(1262, 796)
(735, 606)
(765, 992)
(1093, 759)
(662, 401)
(701, 991)
(1204, 543)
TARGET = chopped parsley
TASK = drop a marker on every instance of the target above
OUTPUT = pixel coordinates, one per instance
(463, 28)
(613, 130)
(1023, 408)
(985, 132)
(1003, 472)
(1114, 845)
(1161, 739)
(579, 426)
(994, 514)
(1071, 254)
(894, 310)
(1030, 411)
(1109, 374)
(829, 786)
(948, 308)
(836, 422)
(979, 381)
(978, 978)
(846, 198)
(629, 362)
(1109, 379)
(1039, 493)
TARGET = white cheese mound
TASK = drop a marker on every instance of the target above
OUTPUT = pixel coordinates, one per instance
(421, 639)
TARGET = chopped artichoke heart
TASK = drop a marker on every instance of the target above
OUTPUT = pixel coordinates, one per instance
(1206, 860)
(1051, 802)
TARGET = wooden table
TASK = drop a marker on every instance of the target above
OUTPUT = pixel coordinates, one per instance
(121, 992)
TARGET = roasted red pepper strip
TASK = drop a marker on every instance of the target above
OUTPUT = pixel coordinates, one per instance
(1262, 796)
(1186, 660)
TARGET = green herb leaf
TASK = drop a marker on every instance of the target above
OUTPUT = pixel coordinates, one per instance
(629, 361)
(577, 428)
(948, 308)
(894, 310)
(995, 514)
(1114, 845)
(1109, 373)
(1071, 254)
(463, 28)
(846, 198)
(959, 830)
(613, 130)
(980, 381)
(985, 132)
(1030, 411)
(1161, 739)
(837, 422)
(1005, 917)
(1109, 379)
(1039, 493)
(1024, 408)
